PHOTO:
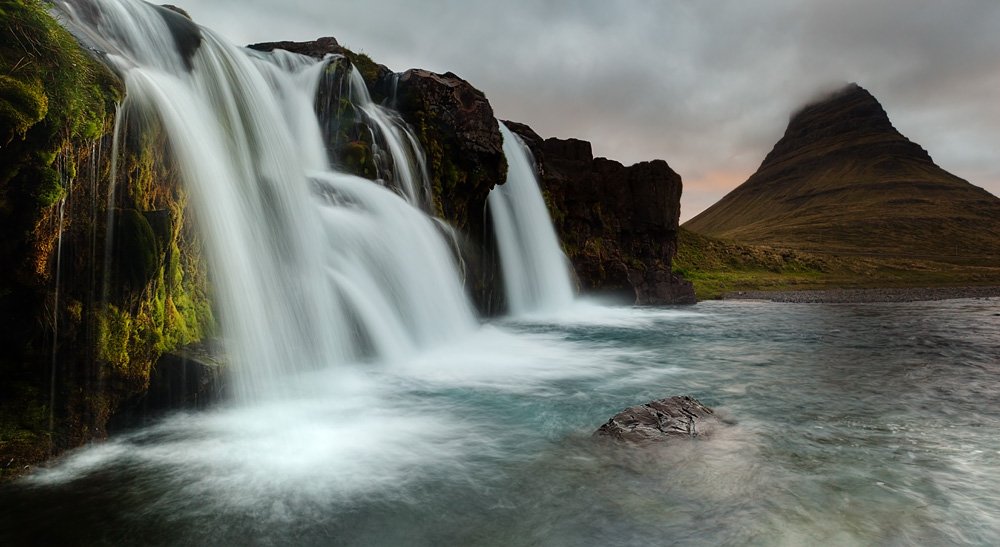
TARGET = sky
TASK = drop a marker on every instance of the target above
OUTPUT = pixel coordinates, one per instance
(707, 86)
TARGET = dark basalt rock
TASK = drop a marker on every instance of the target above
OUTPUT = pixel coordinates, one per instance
(187, 35)
(461, 136)
(317, 48)
(618, 224)
(373, 73)
(176, 9)
(187, 378)
(661, 420)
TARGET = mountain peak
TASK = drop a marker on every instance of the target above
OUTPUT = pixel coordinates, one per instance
(842, 121)
(842, 179)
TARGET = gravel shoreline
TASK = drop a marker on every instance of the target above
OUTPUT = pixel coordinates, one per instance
(845, 296)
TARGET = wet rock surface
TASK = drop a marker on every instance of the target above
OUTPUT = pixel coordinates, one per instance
(661, 420)
(185, 379)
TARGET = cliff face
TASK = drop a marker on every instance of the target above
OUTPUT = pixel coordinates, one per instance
(843, 179)
(618, 224)
(83, 319)
(456, 125)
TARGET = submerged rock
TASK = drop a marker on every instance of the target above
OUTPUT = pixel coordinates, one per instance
(661, 420)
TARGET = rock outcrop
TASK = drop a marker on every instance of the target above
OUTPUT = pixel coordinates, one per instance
(842, 179)
(461, 137)
(82, 322)
(618, 224)
(372, 72)
(661, 420)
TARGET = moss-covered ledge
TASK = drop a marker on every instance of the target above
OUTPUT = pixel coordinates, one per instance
(81, 322)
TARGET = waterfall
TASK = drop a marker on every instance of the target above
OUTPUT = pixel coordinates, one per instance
(310, 267)
(535, 270)
(398, 157)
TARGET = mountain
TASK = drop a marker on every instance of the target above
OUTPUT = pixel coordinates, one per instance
(843, 180)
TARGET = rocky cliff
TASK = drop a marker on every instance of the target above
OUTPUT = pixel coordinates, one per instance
(842, 179)
(617, 224)
(98, 281)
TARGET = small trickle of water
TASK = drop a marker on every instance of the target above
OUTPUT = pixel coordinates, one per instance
(55, 319)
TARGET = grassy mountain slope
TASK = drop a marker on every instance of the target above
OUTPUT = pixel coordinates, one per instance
(843, 180)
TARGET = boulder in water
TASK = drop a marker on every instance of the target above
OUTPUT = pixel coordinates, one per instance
(661, 420)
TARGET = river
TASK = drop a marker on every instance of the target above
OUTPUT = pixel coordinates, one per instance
(845, 424)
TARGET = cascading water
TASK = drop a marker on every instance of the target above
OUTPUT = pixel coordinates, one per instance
(398, 157)
(310, 267)
(535, 270)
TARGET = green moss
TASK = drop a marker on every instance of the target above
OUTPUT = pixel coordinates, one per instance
(49, 186)
(54, 102)
(52, 96)
(23, 103)
(364, 65)
(356, 157)
(115, 335)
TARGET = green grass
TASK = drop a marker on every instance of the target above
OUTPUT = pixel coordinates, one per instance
(717, 267)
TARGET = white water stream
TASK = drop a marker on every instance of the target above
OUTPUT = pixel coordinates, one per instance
(535, 270)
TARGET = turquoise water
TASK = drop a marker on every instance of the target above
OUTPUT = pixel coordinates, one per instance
(846, 424)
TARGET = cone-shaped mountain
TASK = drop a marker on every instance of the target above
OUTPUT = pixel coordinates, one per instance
(842, 179)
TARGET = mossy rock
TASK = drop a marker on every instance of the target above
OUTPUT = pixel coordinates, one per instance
(23, 103)
(356, 157)
(137, 250)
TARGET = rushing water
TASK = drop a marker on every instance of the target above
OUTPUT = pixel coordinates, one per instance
(535, 270)
(849, 424)
(310, 267)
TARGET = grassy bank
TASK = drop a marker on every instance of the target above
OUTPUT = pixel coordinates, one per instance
(718, 266)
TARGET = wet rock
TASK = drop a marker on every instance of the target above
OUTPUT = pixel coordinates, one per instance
(187, 378)
(177, 9)
(660, 420)
(374, 74)
(461, 137)
(187, 35)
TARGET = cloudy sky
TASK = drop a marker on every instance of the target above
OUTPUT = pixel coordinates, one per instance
(705, 85)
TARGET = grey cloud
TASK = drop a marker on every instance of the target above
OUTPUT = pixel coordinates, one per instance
(708, 86)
